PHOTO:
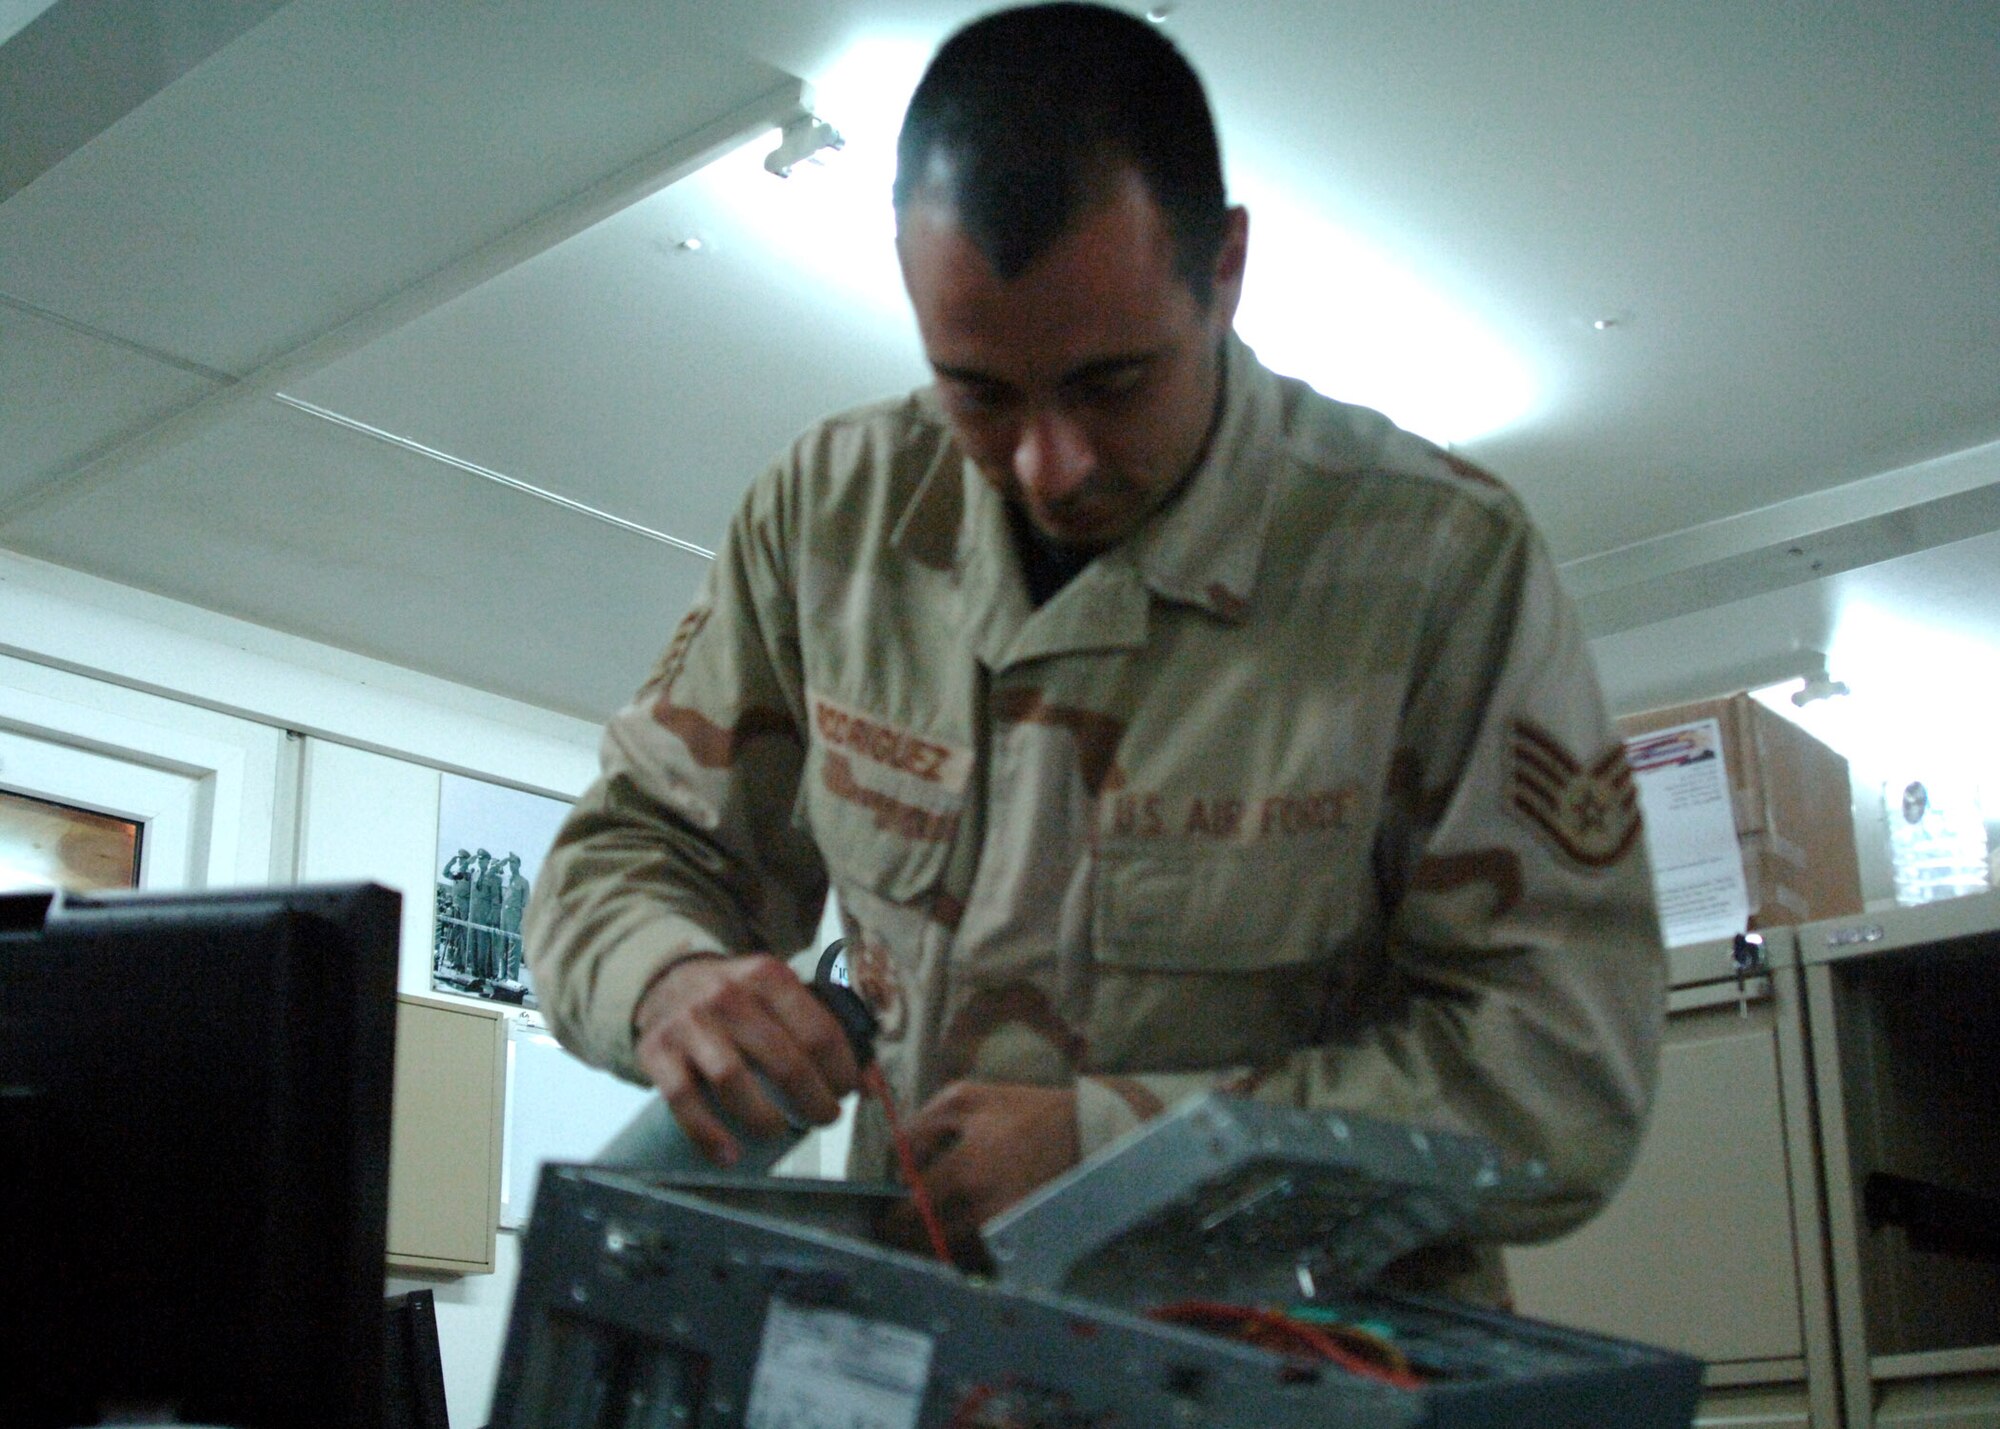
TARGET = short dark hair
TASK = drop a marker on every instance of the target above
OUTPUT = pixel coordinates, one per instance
(1027, 115)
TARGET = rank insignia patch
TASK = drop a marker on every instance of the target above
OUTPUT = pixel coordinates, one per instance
(1590, 813)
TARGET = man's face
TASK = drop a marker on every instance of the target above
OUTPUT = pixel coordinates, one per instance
(1084, 388)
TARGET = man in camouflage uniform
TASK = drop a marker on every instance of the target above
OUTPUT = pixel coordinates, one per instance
(1159, 723)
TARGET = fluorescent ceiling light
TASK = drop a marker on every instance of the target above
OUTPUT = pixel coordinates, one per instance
(1922, 705)
(831, 220)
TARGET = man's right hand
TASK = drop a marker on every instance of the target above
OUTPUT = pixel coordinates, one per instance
(710, 1021)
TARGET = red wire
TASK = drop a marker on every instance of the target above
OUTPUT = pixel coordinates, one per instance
(1258, 1326)
(877, 1086)
(1248, 1322)
(974, 1400)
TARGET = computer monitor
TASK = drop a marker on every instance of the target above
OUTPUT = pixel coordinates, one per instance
(194, 1152)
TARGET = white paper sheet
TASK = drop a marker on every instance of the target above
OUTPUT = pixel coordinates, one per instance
(1683, 788)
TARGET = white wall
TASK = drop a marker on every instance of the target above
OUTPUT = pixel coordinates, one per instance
(61, 618)
(207, 787)
(289, 761)
(364, 815)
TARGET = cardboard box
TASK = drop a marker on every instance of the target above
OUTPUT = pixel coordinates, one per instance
(1792, 805)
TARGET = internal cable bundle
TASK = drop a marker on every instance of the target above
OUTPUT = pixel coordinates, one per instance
(1305, 1331)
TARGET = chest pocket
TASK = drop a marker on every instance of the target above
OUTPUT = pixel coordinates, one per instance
(1225, 909)
(884, 805)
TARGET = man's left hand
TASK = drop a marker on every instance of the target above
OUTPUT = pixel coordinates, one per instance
(982, 1146)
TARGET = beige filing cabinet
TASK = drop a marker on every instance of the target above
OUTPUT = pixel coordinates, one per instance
(444, 1161)
(1905, 1019)
(1713, 1245)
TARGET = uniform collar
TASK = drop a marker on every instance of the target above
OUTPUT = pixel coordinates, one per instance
(1202, 550)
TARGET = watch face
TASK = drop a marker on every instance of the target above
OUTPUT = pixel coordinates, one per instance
(833, 965)
(1916, 801)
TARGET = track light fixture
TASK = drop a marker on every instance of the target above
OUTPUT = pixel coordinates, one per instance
(803, 139)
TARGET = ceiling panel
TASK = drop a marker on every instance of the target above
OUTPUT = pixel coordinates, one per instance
(342, 150)
(1788, 211)
(630, 374)
(1940, 599)
(296, 524)
(85, 64)
(66, 395)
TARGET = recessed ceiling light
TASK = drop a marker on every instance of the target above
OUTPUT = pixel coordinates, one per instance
(1158, 14)
(691, 244)
(1612, 320)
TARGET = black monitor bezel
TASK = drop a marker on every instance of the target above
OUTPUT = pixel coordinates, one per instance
(261, 1023)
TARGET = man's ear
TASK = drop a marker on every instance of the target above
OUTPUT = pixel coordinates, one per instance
(1230, 261)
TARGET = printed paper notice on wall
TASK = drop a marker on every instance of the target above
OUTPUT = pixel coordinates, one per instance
(1690, 832)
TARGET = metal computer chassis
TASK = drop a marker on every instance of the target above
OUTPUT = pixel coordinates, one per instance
(1228, 1198)
(643, 1307)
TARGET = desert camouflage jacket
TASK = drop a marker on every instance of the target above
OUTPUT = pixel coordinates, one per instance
(1305, 788)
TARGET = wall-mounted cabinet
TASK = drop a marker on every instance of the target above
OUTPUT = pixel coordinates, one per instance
(444, 1163)
(1712, 1245)
(1905, 1018)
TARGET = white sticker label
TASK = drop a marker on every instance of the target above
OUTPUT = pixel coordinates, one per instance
(1690, 832)
(824, 1367)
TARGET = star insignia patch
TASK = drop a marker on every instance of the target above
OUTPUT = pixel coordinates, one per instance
(1589, 812)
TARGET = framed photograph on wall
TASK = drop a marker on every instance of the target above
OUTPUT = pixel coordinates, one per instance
(49, 845)
(491, 842)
